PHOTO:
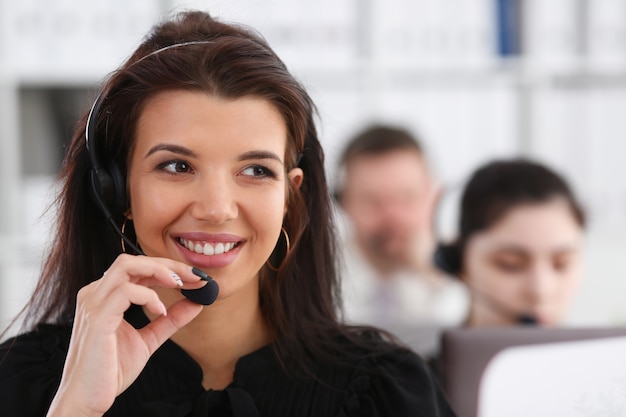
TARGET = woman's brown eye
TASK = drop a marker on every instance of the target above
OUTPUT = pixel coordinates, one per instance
(560, 264)
(259, 172)
(181, 167)
(175, 166)
(509, 265)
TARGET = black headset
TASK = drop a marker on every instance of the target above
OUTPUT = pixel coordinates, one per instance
(108, 184)
(108, 187)
(447, 256)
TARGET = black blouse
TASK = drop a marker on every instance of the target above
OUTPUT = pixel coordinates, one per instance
(395, 384)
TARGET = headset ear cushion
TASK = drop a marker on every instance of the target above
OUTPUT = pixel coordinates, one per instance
(110, 189)
(118, 193)
(448, 258)
(102, 186)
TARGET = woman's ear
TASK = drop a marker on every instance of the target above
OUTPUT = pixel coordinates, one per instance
(296, 176)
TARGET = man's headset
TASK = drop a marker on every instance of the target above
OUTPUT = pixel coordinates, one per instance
(448, 257)
(109, 189)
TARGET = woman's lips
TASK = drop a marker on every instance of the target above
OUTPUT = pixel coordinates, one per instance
(209, 251)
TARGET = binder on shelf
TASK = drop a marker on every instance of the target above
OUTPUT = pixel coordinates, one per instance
(403, 34)
(303, 33)
(551, 35)
(508, 15)
(606, 31)
(477, 35)
(432, 35)
(467, 34)
(70, 41)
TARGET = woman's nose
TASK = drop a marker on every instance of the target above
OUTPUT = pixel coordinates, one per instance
(541, 283)
(214, 199)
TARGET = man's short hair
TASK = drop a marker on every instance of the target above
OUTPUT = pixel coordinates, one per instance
(379, 139)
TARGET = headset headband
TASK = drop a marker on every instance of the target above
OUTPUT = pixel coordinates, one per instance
(90, 130)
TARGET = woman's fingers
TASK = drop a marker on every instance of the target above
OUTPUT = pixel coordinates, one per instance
(109, 352)
(129, 280)
(149, 272)
(106, 313)
(139, 295)
(163, 327)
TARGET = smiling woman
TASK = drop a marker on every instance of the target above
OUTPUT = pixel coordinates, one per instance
(202, 153)
(227, 156)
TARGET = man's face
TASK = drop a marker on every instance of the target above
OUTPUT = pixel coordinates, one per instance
(385, 197)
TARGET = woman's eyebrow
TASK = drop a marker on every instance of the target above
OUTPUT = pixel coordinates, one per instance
(259, 155)
(170, 147)
(510, 249)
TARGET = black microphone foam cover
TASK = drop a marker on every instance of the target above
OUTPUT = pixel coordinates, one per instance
(527, 320)
(205, 295)
(448, 258)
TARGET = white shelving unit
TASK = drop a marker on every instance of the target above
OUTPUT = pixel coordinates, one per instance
(429, 65)
(47, 47)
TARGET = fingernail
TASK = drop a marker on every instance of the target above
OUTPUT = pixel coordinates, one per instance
(200, 273)
(163, 309)
(179, 281)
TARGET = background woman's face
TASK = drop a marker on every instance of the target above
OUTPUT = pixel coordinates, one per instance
(528, 262)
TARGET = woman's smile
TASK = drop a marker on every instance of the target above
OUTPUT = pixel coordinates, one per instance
(209, 251)
(208, 248)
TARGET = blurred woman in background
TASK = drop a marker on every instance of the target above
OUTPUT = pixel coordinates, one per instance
(519, 248)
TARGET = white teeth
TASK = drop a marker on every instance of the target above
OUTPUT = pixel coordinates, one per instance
(219, 248)
(207, 248)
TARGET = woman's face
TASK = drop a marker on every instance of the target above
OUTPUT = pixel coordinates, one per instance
(527, 263)
(208, 185)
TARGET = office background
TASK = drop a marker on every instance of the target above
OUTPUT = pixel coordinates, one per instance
(475, 79)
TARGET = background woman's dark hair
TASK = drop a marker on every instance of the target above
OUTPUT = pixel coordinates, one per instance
(492, 191)
(299, 301)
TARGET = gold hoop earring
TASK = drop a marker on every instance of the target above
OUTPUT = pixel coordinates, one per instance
(122, 239)
(135, 249)
(287, 243)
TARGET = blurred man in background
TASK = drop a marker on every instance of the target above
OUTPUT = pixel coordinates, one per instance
(389, 198)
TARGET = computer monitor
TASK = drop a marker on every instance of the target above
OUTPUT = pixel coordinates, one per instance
(465, 352)
(581, 378)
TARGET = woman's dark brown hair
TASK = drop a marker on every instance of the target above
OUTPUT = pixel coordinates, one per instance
(492, 191)
(299, 301)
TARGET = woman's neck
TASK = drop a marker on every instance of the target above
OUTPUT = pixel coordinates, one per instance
(221, 334)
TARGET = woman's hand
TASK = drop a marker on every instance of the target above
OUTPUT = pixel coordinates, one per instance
(106, 353)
